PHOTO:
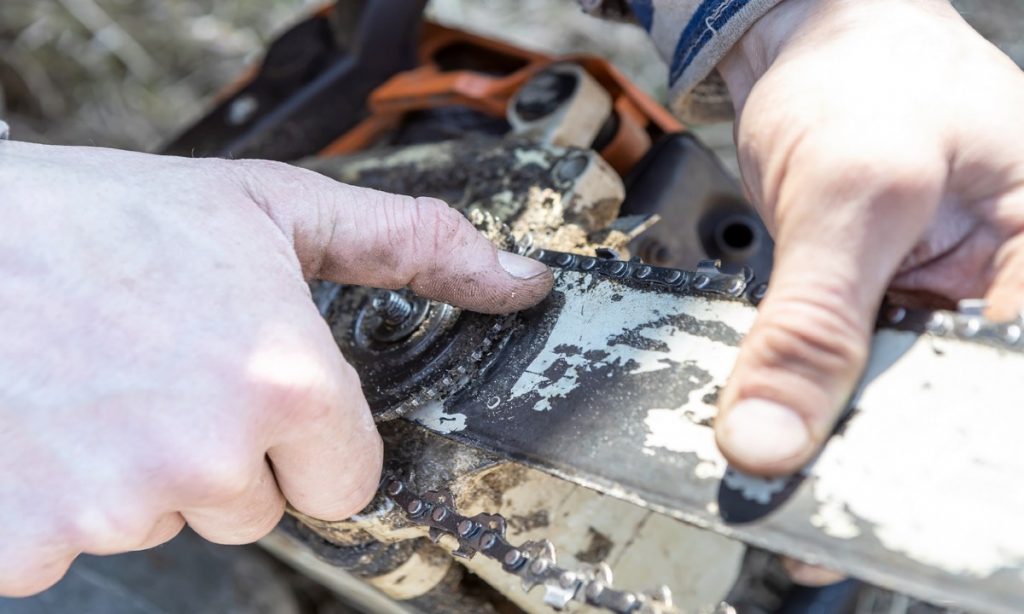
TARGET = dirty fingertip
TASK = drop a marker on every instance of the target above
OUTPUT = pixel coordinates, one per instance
(763, 437)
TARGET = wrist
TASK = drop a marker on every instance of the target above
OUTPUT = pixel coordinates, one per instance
(798, 27)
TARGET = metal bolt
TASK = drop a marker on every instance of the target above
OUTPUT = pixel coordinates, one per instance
(567, 579)
(594, 589)
(939, 323)
(565, 259)
(395, 487)
(673, 277)
(643, 272)
(971, 327)
(617, 268)
(626, 601)
(467, 528)
(439, 514)
(513, 558)
(587, 264)
(568, 169)
(701, 281)
(1013, 333)
(760, 292)
(392, 307)
(538, 566)
(736, 286)
(655, 252)
(487, 541)
(414, 507)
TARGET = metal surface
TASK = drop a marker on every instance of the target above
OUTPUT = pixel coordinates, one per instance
(702, 207)
(612, 384)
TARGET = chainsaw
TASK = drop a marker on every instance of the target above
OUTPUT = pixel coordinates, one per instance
(570, 447)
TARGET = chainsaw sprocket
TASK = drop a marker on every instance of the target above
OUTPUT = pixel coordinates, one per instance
(409, 351)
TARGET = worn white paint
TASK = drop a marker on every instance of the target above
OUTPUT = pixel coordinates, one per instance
(933, 462)
(835, 520)
(676, 430)
(592, 317)
(753, 488)
(644, 548)
(433, 416)
(540, 157)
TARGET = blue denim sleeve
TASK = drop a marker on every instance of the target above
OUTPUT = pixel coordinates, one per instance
(692, 36)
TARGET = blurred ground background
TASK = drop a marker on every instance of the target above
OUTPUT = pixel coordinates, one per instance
(131, 73)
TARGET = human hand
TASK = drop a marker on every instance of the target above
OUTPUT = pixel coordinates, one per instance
(882, 142)
(161, 361)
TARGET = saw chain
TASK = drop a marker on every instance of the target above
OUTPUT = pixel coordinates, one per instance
(534, 562)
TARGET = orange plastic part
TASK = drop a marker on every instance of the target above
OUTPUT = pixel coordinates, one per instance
(429, 85)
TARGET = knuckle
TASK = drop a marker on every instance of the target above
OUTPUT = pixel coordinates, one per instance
(216, 477)
(899, 172)
(259, 170)
(815, 336)
(440, 226)
(27, 579)
(245, 528)
(103, 530)
(262, 523)
(266, 180)
(311, 400)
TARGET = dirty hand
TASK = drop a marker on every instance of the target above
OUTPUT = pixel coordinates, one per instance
(161, 361)
(882, 141)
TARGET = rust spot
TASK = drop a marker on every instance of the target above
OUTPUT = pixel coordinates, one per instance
(598, 547)
(529, 522)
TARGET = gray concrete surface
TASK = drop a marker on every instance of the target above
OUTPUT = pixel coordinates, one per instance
(186, 575)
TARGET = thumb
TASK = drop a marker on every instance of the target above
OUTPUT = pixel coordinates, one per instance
(843, 229)
(354, 235)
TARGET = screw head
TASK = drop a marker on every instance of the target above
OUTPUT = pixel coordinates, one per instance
(439, 514)
(466, 528)
(414, 507)
(568, 169)
(760, 292)
(395, 487)
(487, 541)
(513, 557)
(1013, 333)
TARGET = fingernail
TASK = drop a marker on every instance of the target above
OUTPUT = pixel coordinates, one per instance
(521, 266)
(759, 433)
